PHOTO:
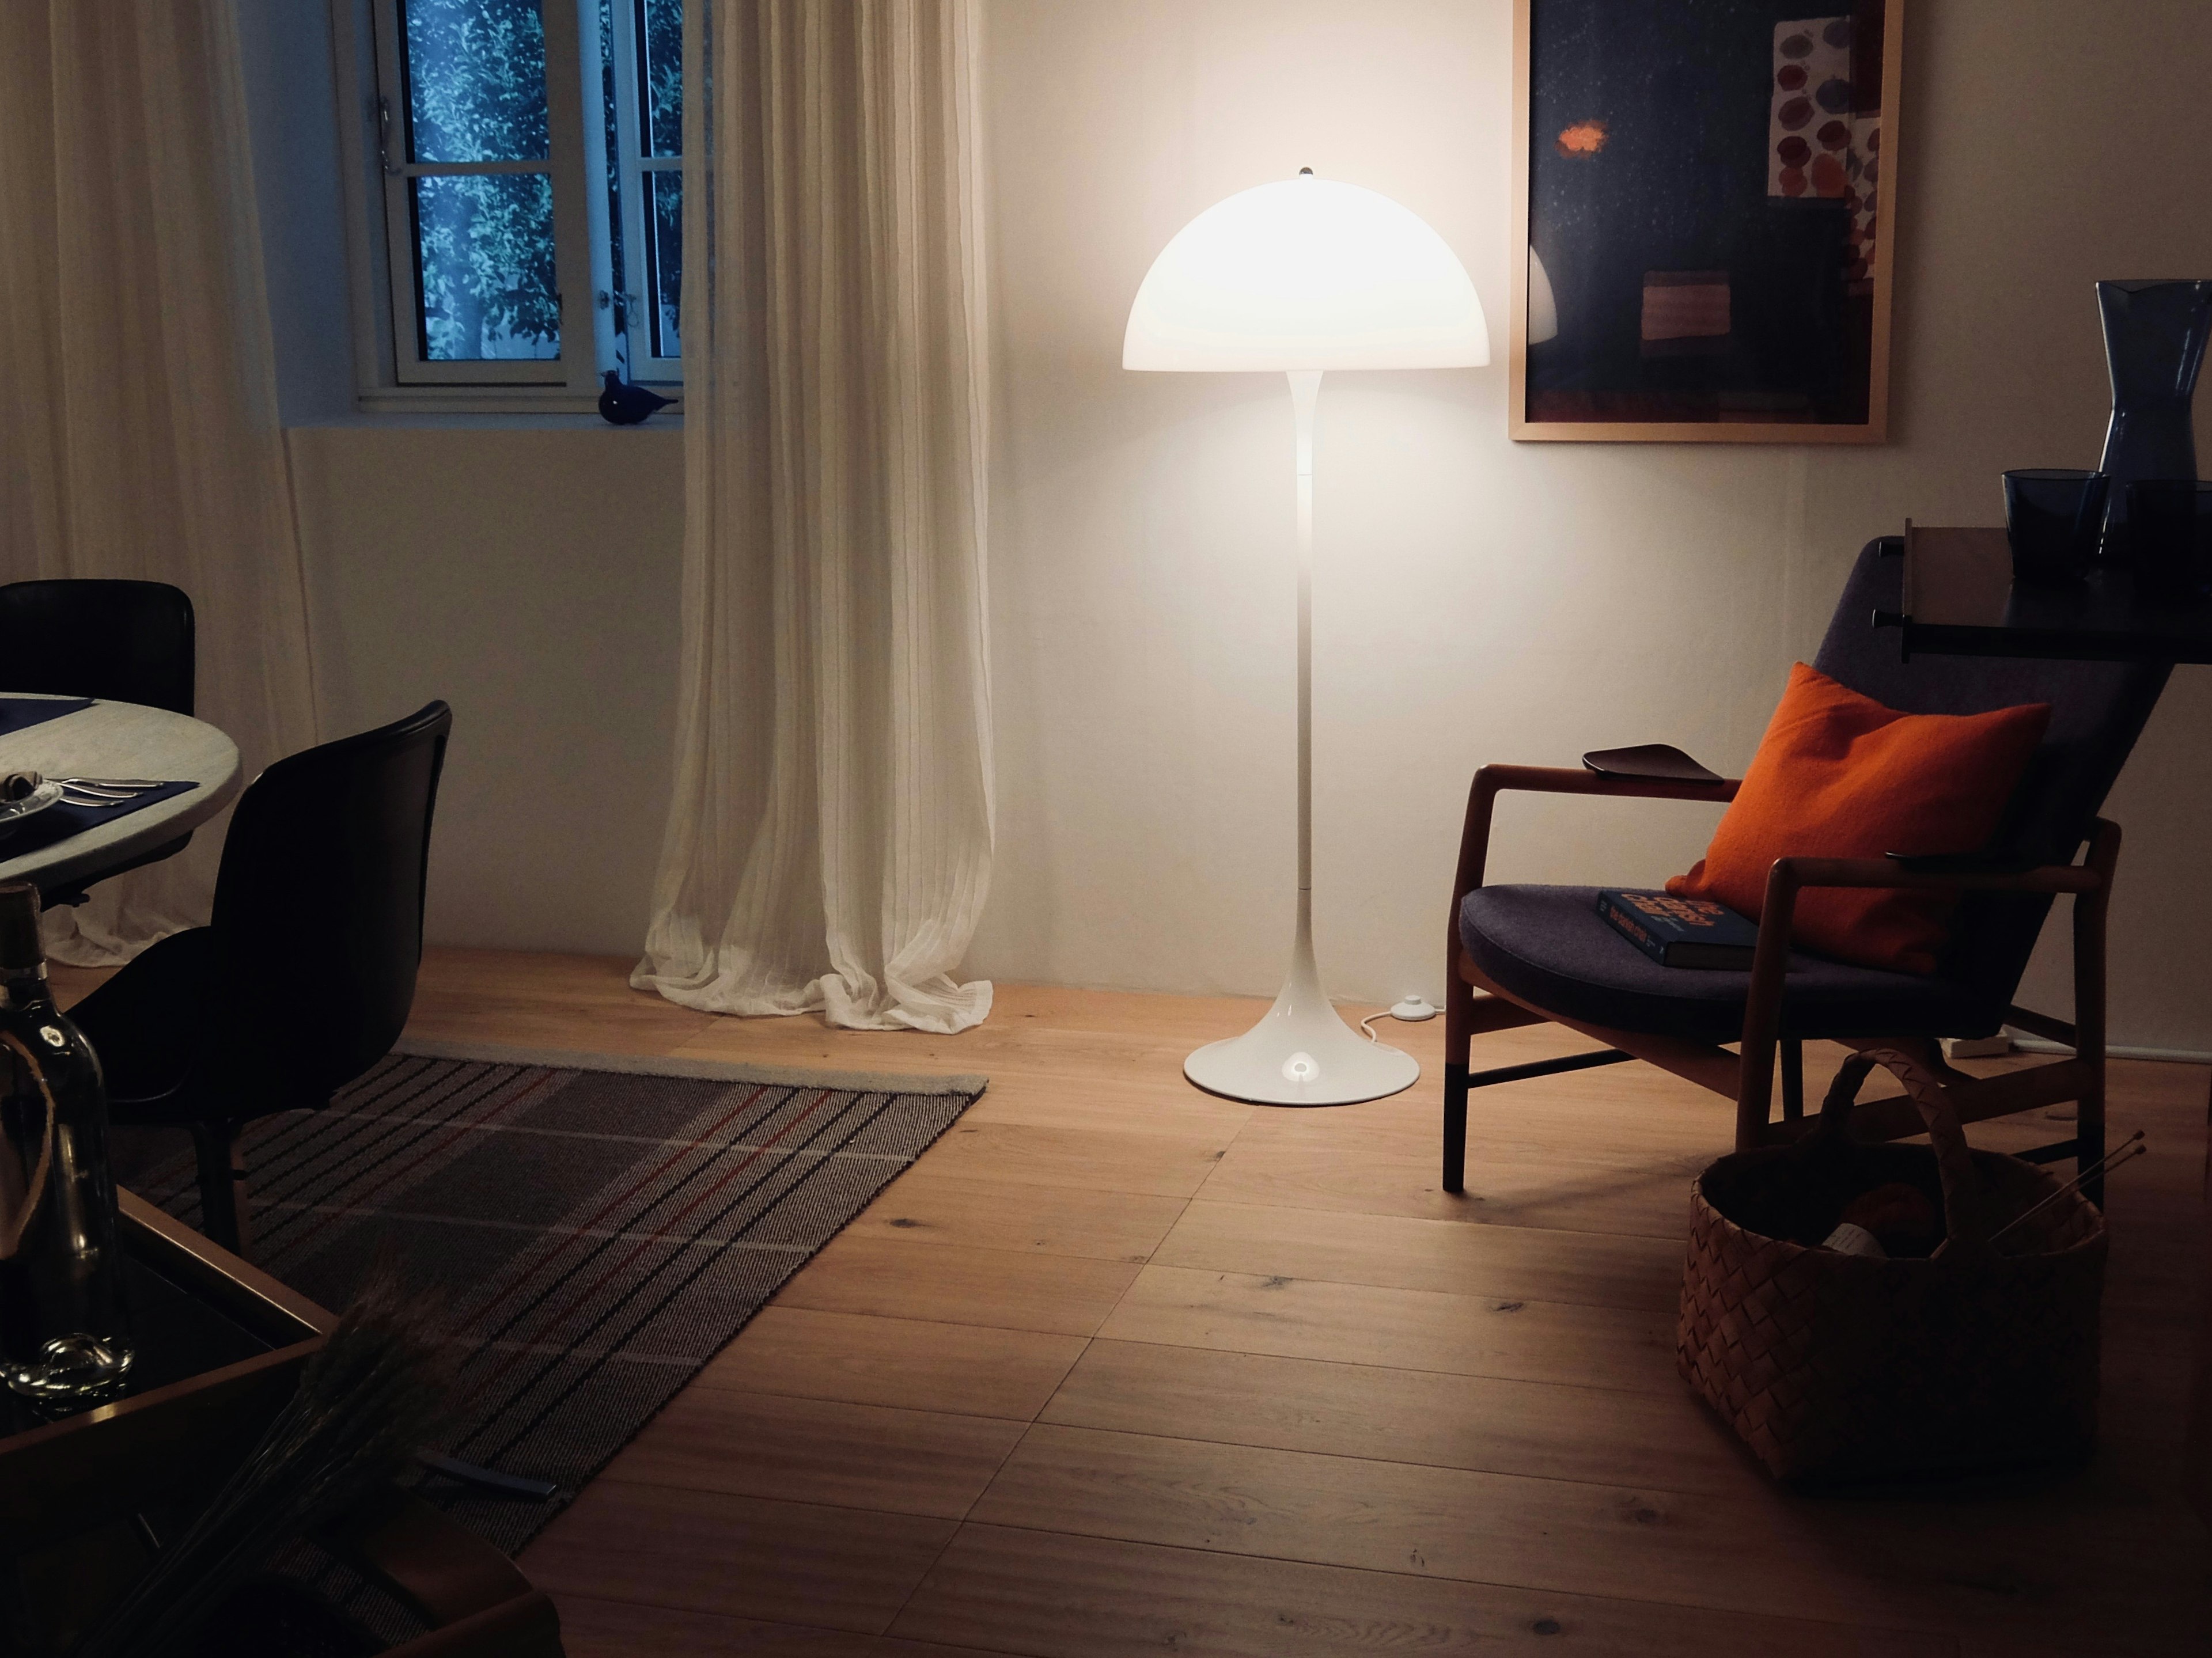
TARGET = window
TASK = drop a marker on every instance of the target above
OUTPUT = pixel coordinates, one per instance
(528, 222)
(637, 247)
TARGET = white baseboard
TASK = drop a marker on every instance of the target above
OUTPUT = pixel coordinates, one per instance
(2119, 1051)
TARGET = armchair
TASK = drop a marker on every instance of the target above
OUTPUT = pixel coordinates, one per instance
(1528, 955)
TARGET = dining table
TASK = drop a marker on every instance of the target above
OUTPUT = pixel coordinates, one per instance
(92, 739)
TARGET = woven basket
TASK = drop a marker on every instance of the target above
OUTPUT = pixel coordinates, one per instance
(1839, 1369)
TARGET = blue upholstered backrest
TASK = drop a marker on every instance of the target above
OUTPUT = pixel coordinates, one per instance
(2097, 711)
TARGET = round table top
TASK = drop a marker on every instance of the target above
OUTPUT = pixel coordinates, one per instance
(120, 739)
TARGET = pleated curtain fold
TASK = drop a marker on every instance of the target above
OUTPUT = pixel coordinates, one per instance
(139, 435)
(830, 838)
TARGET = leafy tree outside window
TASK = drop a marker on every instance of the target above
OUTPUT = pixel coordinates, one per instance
(475, 144)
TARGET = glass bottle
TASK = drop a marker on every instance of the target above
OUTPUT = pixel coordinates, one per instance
(2154, 336)
(65, 1341)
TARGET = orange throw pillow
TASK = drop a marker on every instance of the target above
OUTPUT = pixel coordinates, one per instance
(1838, 775)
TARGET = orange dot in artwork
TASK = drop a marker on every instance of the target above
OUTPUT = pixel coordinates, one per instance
(1828, 176)
(1834, 135)
(1856, 270)
(1583, 138)
(1790, 78)
(1792, 180)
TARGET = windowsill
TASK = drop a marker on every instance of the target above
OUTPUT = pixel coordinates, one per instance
(487, 413)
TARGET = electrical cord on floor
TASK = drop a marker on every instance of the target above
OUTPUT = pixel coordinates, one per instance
(1410, 1010)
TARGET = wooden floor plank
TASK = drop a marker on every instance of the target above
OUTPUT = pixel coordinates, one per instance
(1397, 1252)
(952, 1284)
(1090, 1159)
(561, 1002)
(1078, 1597)
(1401, 1176)
(1417, 1329)
(614, 1629)
(868, 1360)
(1664, 1439)
(928, 1208)
(1937, 1566)
(852, 1456)
(737, 1557)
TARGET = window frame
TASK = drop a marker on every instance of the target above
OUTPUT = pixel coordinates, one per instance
(389, 375)
(639, 251)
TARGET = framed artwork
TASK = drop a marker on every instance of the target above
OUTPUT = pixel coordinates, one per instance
(1706, 189)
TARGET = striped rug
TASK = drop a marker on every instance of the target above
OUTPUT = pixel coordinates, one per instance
(598, 1228)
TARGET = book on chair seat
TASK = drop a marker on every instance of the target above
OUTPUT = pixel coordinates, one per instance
(1681, 932)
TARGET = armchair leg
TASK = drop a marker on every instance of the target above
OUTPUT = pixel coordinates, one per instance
(1793, 1079)
(1459, 1037)
(2089, 1142)
(222, 1181)
(1455, 1089)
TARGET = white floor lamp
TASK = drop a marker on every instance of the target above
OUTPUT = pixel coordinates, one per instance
(1302, 277)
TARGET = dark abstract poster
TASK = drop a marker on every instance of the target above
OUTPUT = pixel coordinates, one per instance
(1707, 203)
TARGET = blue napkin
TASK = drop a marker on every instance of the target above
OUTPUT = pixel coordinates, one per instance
(61, 820)
(20, 713)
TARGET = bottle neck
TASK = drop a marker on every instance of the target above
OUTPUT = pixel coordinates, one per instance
(24, 986)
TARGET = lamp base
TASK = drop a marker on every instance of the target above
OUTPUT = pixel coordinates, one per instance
(1302, 1055)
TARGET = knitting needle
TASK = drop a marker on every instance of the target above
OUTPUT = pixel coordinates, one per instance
(2129, 1147)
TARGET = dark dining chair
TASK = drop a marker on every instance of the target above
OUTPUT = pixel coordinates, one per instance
(122, 641)
(304, 976)
(1526, 955)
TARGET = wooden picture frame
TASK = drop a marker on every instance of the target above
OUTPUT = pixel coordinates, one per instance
(1772, 327)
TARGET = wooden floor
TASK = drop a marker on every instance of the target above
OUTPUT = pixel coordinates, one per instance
(1120, 1368)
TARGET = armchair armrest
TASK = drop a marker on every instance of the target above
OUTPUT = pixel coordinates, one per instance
(1494, 780)
(1790, 875)
(1762, 1012)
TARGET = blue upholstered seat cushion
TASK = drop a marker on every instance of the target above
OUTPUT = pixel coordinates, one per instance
(1549, 946)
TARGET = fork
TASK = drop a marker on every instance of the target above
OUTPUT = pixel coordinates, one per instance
(79, 792)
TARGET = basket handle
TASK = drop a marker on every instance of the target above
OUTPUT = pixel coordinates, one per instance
(1966, 1223)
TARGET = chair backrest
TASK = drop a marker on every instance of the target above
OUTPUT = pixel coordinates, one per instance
(317, 919)
(2098, 709)
(127, 642)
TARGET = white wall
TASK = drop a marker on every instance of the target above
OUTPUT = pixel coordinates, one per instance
(1471, 593)
(1141, 594)
(529, 577)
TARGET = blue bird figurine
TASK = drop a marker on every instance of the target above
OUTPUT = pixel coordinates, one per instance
(625, 404)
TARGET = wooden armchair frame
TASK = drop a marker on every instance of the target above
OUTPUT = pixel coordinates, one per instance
(1747, 1076)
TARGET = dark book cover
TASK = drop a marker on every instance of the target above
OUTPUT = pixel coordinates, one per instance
(1681, 932)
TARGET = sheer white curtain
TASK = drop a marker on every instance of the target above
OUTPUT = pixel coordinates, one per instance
(829, 845)
(139, 427)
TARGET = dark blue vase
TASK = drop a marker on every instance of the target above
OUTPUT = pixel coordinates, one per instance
(2154, 335)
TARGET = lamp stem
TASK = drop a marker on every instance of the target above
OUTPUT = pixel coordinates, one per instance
(1303, 1052)
(1305, 393)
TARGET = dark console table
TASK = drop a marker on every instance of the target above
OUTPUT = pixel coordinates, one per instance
(1958, 600)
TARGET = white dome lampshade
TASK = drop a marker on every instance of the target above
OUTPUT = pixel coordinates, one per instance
(1306, 273)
